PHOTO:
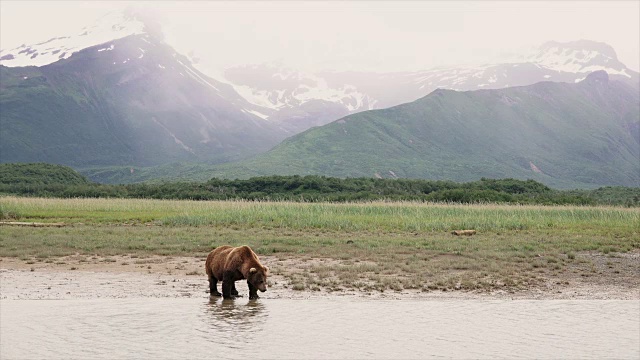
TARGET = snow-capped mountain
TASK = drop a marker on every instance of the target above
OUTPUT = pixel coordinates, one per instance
(290, 100)
(129, 100)
(281, 87)
(553, 61)
(115, 93)
(296, 100)
(110, 27)
(582, 56)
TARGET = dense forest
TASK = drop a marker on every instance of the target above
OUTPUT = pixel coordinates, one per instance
(45, 180)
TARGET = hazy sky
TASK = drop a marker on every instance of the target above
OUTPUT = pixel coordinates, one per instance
(362, 35)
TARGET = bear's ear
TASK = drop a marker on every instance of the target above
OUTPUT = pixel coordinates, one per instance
(253, 270)
(266, 269)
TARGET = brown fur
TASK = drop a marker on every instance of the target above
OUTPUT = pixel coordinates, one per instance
(229, 264)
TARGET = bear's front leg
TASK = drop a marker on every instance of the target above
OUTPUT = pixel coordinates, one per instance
(213, 286)
(234, 291)
(253, 292)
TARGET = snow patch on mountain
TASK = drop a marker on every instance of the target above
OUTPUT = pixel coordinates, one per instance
(256, 113)
(582, 56)
(107, 48)
(276, 87)
(268, 99)
(197, 77)
(110, 27)
(175, 138)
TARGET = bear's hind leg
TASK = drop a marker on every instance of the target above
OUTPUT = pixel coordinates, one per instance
(213, 286)
(228, 285)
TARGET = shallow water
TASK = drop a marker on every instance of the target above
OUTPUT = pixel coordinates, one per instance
(319, 328)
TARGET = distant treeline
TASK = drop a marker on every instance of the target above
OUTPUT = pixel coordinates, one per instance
(18, 180)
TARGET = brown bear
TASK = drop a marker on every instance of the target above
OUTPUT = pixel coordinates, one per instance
(230, 264)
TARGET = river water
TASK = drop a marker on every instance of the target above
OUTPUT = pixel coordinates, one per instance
(319, 329)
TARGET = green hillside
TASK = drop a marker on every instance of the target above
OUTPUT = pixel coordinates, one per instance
(39, 174)
(564, 135)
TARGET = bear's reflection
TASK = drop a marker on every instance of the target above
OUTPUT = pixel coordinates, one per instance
(235, 314)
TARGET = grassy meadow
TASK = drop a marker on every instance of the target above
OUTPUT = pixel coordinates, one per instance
(374, 246)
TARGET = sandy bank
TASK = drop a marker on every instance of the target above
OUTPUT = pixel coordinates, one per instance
(89, 277)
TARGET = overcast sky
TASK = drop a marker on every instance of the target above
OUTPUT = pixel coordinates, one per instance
(363, 35)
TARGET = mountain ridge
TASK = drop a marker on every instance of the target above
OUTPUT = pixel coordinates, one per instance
(283, 89)
(582, 134)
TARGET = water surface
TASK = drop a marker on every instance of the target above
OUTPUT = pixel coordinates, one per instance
(319, 328)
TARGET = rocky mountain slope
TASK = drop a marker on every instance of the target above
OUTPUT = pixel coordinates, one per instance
(130, 100)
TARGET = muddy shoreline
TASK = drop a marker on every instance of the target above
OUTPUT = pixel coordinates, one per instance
(92, 277)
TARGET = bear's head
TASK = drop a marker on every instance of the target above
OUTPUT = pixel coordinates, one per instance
(258, 278)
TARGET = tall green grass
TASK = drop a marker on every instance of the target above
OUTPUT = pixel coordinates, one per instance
(373, 216)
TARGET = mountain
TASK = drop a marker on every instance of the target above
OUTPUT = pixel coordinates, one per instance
(584, 134)
(117, 94)
(296, 100)
(118, 102)
(289, 93)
